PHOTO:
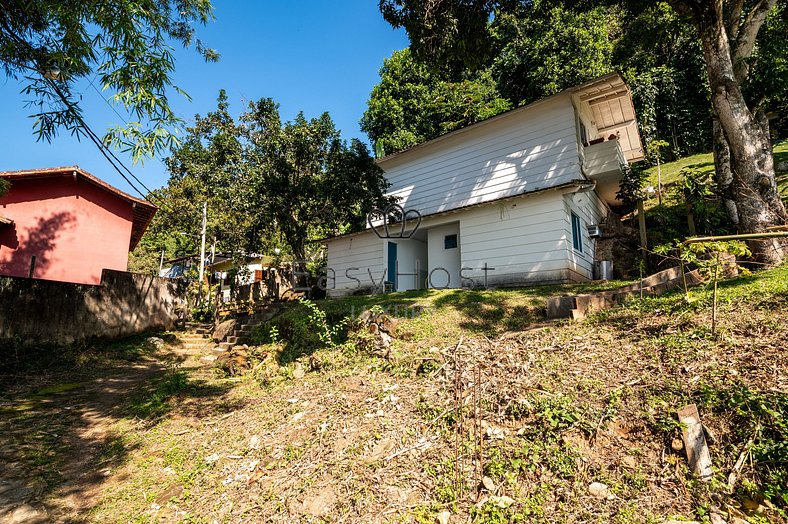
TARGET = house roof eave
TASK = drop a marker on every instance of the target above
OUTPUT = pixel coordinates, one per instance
(566, 185)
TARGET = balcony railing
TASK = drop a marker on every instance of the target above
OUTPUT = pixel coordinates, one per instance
(604, 158)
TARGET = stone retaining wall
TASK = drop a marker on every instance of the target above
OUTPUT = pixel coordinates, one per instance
(42, 311)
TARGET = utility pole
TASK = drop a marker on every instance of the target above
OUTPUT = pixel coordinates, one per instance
(161, 262)
(202, 247)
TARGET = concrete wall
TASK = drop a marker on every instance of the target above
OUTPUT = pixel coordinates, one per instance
(72, 228)
(40, 311)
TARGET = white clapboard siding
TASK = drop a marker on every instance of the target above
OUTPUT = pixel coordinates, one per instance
(523, 151)
(363, 251)
(524, 239)
(591, 210)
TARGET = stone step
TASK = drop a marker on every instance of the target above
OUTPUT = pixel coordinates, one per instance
(225, 345)
(198, 325)
(578, 306)
(241, 332)
(231, 339)
(195, 346)
(193, 336)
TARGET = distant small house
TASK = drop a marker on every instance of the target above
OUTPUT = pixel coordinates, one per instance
(231, 277)
(65, 224)
(516, 199)
(179, 267)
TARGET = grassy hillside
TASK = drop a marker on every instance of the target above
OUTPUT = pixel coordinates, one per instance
(704, 163)
(482, 412)
(669, 221)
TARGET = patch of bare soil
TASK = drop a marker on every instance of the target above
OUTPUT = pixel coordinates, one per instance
(569, 423)
(55, 430)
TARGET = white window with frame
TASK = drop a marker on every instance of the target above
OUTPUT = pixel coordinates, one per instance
(577, 233)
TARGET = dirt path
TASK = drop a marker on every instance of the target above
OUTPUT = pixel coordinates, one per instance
(57, 443)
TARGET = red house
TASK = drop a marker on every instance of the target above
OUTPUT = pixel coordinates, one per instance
(65, 224)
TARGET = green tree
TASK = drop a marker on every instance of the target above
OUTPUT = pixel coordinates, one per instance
(728, 33)
(308, 182)
(661, 58)
(55, 47)
(413, 103)
(547, 48)
(266, 183)
(767, 83)
(208, 166)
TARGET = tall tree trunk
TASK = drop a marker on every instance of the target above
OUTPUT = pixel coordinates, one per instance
(723, 175)
(754, 186)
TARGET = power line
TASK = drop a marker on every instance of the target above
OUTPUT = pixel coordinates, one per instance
(109, 155)
(161, 202)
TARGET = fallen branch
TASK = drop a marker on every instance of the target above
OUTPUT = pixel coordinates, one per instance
(422, 444)
(740, 461)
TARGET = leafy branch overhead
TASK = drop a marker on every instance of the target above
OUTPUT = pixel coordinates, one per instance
(59, 49)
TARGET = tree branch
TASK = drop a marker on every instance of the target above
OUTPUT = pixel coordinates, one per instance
(734, 19)
(743, 46)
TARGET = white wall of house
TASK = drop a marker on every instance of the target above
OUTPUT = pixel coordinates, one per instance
(531, 148)
(519, 241)
(443, 270)
(522, 240)
(591, 210)
(352, 258)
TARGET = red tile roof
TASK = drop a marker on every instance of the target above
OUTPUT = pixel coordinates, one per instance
(143, 210)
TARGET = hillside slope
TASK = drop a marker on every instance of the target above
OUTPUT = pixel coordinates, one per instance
(480, 412)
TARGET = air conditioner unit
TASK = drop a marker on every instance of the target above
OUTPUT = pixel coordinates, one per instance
(594, 230)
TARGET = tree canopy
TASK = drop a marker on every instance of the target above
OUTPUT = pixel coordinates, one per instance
(739, 62)
(547, 48)
(124, 47)
(268, 184)
(538, 51)
(413, 103)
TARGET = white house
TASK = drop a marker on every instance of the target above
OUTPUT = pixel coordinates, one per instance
(230, 276)
(505, 201)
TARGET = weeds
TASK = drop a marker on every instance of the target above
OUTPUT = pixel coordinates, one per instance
(153, 404)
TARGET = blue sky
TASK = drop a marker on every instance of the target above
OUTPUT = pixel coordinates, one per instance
(310, 56)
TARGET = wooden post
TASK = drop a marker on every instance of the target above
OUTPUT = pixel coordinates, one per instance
(695, 442)
(643, 235)
(714, 299)
(202, 250)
